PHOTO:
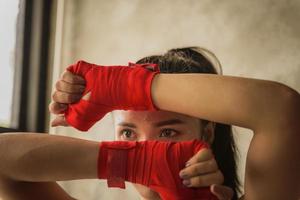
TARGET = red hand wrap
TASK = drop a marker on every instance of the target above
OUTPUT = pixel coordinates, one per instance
(155, 164)
(111, 88)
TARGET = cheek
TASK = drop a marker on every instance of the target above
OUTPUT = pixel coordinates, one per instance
(118, 138)
(190, 135)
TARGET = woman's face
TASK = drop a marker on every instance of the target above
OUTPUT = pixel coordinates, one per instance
(155, 125)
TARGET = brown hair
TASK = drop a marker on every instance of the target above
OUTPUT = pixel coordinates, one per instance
(200, 60)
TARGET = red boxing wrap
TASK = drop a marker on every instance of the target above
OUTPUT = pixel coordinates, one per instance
(155, 164)
(111, 88)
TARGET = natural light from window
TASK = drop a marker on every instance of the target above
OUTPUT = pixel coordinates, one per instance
(8, 19)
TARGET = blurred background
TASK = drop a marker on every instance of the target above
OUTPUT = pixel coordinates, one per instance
(40, 38)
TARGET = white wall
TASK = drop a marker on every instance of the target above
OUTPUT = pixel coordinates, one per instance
(257, 39)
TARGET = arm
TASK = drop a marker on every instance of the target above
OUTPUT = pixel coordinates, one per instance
(270, 109)
(70, 88)
(47, 158)
(19, 190)
(58, 158)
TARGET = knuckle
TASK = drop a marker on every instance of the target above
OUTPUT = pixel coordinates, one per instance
(72, 79)
(204, 154)
(72, 88)
(54, 96)
(58, 97)
(198, 169)
(65, 87)
(50, 107)
(195, 170)
(193, 159)
(209, 153)
(198, 181)
(197, 156)
(212, 164)
(73, 98)
(68, 77)
(220, 177)
(64, 76)
(54, 108)
(57, 85)
(69, 98)
(195, 182)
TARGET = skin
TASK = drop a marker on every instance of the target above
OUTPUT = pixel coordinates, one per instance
(268, 108)
(139, 126)
(36, 186)
(203, 170)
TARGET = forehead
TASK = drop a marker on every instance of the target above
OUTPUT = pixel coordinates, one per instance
(149, 116)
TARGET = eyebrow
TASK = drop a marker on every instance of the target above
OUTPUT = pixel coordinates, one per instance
(157, 124)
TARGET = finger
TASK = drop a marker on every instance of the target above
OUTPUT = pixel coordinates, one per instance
(59, 121)
(57, 108)
(62, 97)
(72, 78)
(64, 86)
(87, 96)
(205, 180)
(202, 155)
(199, 168)
(222, 192)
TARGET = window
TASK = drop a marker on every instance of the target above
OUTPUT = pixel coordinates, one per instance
(9, 10)
(24, 44)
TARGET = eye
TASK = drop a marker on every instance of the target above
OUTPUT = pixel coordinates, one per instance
(168, 133)
(127, 134)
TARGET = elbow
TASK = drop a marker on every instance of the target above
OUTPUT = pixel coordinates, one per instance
(290, 100)
(288, 107)
(280, 110)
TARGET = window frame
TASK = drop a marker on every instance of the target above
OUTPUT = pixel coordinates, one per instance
(29, 100)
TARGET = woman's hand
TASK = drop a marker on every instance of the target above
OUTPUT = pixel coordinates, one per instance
(68, 89)
(202, 170)
(109, 88)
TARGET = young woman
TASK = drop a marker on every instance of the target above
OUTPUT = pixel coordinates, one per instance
(270, 109)
(204, 169)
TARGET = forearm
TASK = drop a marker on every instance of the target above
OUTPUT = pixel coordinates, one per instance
(270, 109)
(19, 190)
(244, 102)
(41, 157)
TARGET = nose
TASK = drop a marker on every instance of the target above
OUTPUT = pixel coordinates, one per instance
(147, 136)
